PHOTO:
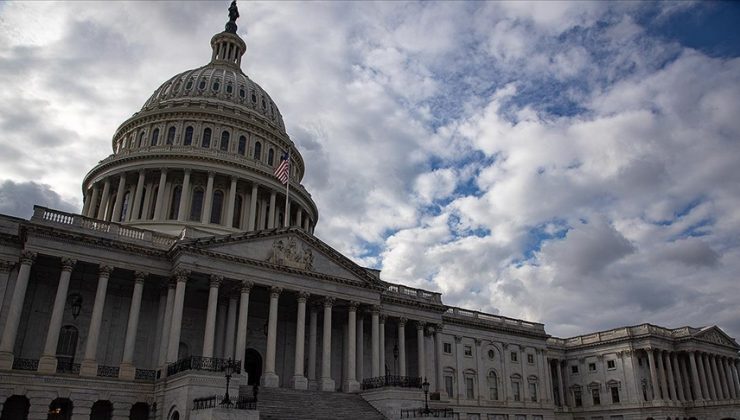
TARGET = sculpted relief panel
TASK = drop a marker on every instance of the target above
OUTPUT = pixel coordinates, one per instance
(287, 253)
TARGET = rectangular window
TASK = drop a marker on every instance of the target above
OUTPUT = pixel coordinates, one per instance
(469, 388)
(533, 392)
(596, 396)
(514, 356)
(611, 364)
(515, 391)
(530, 359)
(615, 395)
(639, 361)
(592, 367)
(577, 398)
(448, 386)
(468, 351)
(447, 348)
(574, 369)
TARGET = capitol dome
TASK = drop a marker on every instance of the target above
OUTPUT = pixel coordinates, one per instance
(200, 156)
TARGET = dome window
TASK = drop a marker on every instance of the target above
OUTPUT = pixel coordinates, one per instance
(258, 151)
(171, 136)
(242, 92)
(229, 88)
(254, 98)
(224, 146)
(216, 86)
(264, 105)
(177, 86)
(202, 84)
(155, 136)
(206, 143)
(141, 139)
(270, 157)
(217, 207)
(188, 136)
(242, 145)
(189, 85)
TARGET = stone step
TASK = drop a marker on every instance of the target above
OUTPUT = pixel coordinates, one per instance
(290, 404)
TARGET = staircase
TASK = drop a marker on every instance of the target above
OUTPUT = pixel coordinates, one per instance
(290, 404)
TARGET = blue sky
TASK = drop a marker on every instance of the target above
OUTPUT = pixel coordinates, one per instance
(573, 163)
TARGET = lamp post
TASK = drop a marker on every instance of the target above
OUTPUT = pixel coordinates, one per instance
(228, 371)
(425, 388)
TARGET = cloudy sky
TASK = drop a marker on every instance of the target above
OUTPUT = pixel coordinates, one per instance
(576, 164)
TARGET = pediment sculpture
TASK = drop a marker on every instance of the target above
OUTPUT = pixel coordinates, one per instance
(715, 337)
(288, 253)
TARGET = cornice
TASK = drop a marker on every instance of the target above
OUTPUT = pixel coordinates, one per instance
(413, 303)
(472, 322)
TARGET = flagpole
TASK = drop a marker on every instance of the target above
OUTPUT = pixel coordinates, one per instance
(287, 194)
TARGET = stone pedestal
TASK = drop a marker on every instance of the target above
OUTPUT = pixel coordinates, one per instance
(48, 364)
(327, 384)
(89, 368)
(270, 380)
(6, 360)
(127, 371)
(299, 382)
(351, 386)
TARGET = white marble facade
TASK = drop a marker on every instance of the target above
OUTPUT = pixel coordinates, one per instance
(184, 255)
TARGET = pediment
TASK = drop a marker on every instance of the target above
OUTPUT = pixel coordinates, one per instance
(716, 336)
(287, 248)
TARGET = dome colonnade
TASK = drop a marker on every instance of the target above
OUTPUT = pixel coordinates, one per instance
(201, 154)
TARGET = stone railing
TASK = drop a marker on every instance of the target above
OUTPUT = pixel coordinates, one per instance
(25, 364)
(108, 371)
(426, 412)
(113, 230)
(494, 319)
(148, 375)
(68, 366)
(210, 364)
(393, 381)
(405, 291)
(217, 401)
(622, 332)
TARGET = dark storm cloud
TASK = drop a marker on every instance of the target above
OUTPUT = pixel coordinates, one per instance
(18, 198)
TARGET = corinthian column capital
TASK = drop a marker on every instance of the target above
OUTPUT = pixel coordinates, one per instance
(68, 264)
(27, 257)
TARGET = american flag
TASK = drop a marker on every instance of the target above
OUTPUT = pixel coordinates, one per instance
(282, 170)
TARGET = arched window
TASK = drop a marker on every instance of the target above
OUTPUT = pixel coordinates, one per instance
(449, 381)
(229, 88)
(171, 136)
(242, 92)
(492, 386)
(469, 376)
(196, 206)
(264, 105)
(124, 207)
(217, 207)
(188, 136)
(516, 387)
(237, 212)
(270, 157)
(189, 85)
(16, 407)
(60, 409)
(254, 97)
(224, 146)
(216, 85)
(101, 410)
(141, 139)
(242, 145)
(139, 411)
(258, 151)
(175, 204)
(532, 384)
(202, 84)
(206, 143)
(155, 136)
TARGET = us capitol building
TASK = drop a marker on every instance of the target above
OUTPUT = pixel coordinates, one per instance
(181, 264)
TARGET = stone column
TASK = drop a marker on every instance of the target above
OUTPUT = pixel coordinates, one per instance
(86, 198)
(93, 201)
(703, 388)
(134, 215)
(685, 375)
(218, 348)
(48, 360)
(299, 381)
(241, 329)
(312, 333)
(459, 368)
(327, 383)
(719, 374)
(182, 211)
(253, 208)
(5, 268)
(270, 378)
(653, 374)
(299, 217)
(375, 341)
(127, 369)
(381, 344)
(210, 333)
(167, 324)
(159, 211)
(104, 199)
(271, 214)
(561, 392)
(360, 349)
(177, 306)
(677, 375)
(708, 376)
(439, 382)
(420, 349)
(729, 379)
(479, 370)
(669, 372)
(206, 216)
(735, 375)
(230, 205)
(402, 346)
(89, 366)
(351, 384)
(118, 207)
(662, 376)
(230, 326)
(715, 376)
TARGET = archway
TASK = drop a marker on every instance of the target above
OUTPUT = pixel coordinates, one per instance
(139, 411)
(253, 366)
(101, 410)
(15, 408)
(60, 409)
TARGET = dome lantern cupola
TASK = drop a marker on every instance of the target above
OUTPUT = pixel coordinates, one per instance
(227, 46)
